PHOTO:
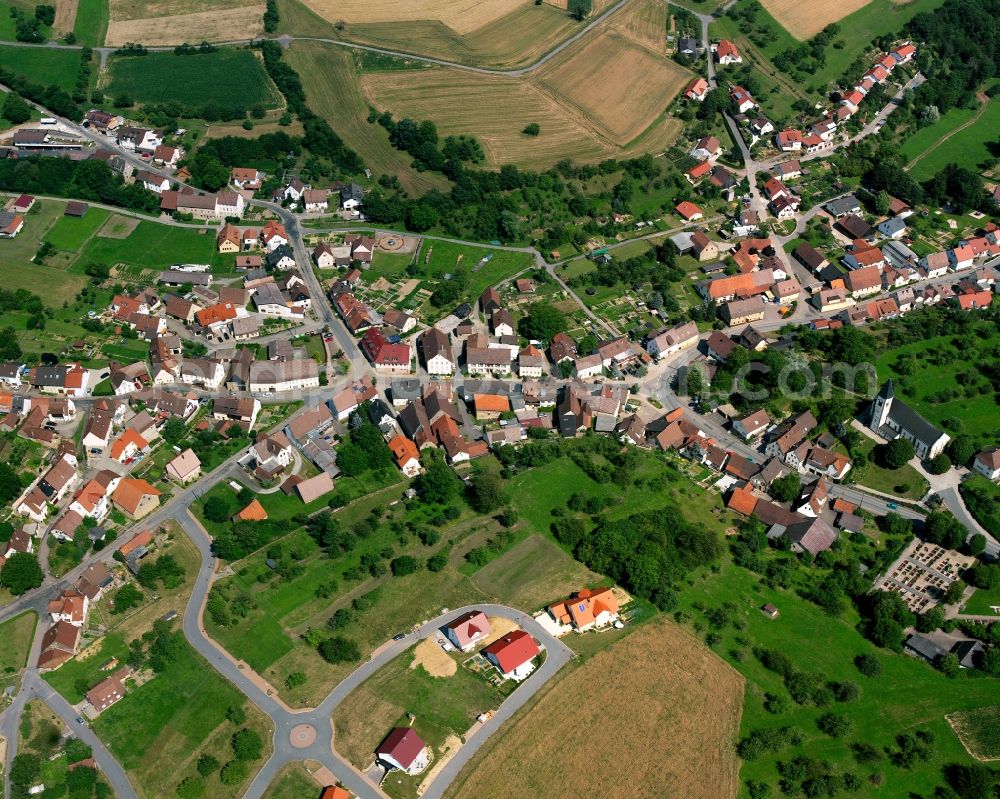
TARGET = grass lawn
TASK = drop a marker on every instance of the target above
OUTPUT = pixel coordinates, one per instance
(292, 782)
(982, 602)
(71, 233)
(42, 65)
(71, 676)
(91, 22)
(53, 283)
(904, 482)
(533, 573)
(982, 497)
(970, 147)
(222, 77)
(908, 695)
(158, 729)
(155, 246)
(925, 374)
(17, 635)
(443, 706)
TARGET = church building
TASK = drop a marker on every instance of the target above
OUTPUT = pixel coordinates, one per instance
(892, 418)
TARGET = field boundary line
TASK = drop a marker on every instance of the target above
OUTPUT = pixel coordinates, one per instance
(983, 105)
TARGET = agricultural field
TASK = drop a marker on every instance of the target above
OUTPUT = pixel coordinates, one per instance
(604, 96)
(657, 690)
(221, 77)
(169, 22)
(926, 375)
(330, 78)
(968, 139)
(979, 731)
(804, 21)
(292, 782)
(445, 703)
(620, 87)
(507, 33)
(907, 696)
(42, 65)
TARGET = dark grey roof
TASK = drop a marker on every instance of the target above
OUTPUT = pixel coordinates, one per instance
(278, 253)
(405, 388)
(50, 375)
(904, 417)
(843, 205)
(966, 652)
(924, 647)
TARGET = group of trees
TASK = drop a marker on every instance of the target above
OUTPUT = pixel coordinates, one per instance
(364, 448)
(85, 180)
(211, 165)
(333, 156)
(29, 29)
(21, 572)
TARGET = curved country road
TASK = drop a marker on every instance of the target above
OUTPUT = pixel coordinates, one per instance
(287, 39)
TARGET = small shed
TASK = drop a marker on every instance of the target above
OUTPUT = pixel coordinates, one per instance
(76, 208)
(770, 611)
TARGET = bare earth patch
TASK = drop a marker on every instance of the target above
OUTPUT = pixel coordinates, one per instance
(118, 227)
(433, 658)
(804, 20)
(668, 711)
(227, 25)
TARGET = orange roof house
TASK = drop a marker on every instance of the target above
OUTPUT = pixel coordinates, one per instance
(135, 498)
(406, 454)
(742, 500)
(254, 512)
(490, 405)
(689, 211)
(334, 792)
(215, 314)
(127, 445)
(143, 539)
(587, 609)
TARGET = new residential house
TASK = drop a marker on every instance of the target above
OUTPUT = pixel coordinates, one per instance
(467, 630)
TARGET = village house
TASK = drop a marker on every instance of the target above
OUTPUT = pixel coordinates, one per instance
(668, 342)
(202, 206)
(406, 455)
(385, 356)
(135, 498)
(268, 377)
(752, 426)
(108, 691)
(467, 630)
(512, 655)
(726, 53)
(987, 463)
(740, 312)
(404, 750)
(697, 90)
(586, 609)
(185, 467)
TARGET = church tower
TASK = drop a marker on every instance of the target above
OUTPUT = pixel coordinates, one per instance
(881, 407)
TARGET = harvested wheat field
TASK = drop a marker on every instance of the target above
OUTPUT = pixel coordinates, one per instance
(170, 22)
(65, 16)
(494, 110)
(804, 20)
(462, 16)
(331, 83)
(668, 711)
(645, 23)
(619, 86)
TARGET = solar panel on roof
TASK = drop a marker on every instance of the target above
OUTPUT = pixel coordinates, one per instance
(581, 607)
